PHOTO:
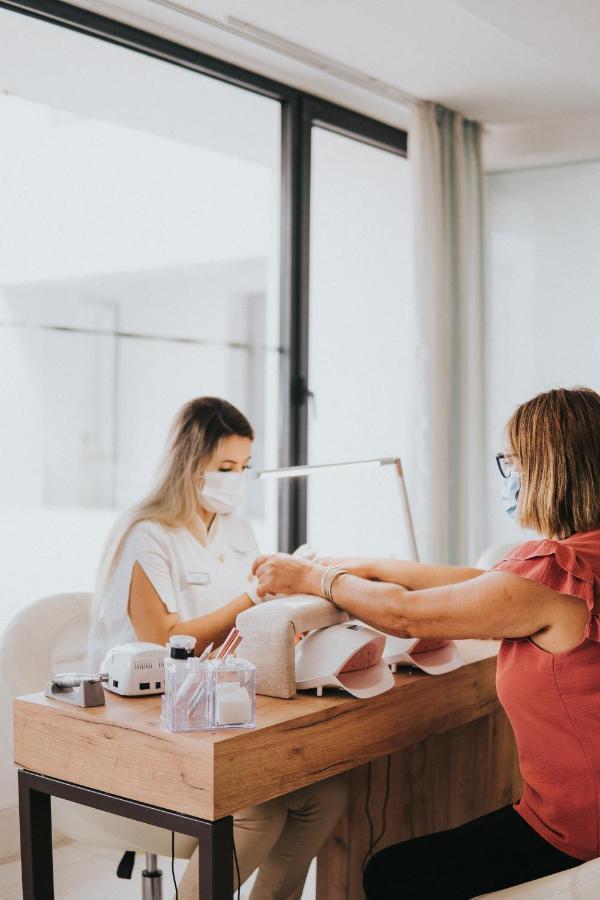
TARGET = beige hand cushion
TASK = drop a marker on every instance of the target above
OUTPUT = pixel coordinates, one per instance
(269, 632)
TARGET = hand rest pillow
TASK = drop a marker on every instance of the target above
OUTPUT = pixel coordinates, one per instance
(269, 632)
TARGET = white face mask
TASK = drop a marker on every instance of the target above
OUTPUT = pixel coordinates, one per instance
(222, 492)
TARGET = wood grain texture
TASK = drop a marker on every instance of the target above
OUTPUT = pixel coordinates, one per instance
(441, 782)
(123, 749)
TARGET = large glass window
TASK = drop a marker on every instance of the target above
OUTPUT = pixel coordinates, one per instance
(361, 343)
(138, 269)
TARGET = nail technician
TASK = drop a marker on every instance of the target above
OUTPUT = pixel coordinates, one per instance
(180, 563)
(543, 600)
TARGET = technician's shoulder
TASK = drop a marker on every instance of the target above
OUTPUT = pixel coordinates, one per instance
(149, 535)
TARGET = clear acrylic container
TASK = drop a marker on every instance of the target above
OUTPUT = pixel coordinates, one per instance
(234, 693)
(186, 704)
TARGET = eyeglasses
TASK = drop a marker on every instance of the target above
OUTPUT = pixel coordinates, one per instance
(505, 464)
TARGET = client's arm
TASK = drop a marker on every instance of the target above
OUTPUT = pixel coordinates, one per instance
(495, 604)
(412, 575)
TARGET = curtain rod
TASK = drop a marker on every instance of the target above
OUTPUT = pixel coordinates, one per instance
(271, 41)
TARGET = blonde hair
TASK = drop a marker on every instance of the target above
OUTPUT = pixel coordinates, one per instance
(556, 438)
(195, 434)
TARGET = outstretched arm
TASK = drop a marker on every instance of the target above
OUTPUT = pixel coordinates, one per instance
(412, 575)
(492, 605)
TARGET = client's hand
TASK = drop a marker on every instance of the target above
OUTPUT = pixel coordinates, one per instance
(280, 573)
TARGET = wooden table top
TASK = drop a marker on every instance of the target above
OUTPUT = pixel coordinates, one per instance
(123, 748)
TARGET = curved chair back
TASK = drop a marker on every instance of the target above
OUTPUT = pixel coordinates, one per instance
(47, 637)
(493, 554)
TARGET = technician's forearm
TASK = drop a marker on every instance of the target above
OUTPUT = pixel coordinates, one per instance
(213, 627)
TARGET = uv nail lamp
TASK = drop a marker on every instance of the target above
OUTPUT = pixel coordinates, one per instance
(346, 656)
(433, 656)
(135, 669)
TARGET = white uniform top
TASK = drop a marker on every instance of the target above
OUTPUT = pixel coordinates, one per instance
(190, 579)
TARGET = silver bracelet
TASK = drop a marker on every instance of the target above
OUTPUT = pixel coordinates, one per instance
(334, 578)
(329, 576)
(326, 579)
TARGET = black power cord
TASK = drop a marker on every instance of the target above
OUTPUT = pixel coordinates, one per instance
(237, 870)
(237, 867)
(373, 841)
(385, 803)
(173, 865)
(368, 815)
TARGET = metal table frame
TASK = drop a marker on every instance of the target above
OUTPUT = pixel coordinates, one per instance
(215, 839)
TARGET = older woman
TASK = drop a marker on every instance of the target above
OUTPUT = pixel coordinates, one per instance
(543, 600)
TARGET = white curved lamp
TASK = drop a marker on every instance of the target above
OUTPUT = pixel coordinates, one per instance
(300, 471)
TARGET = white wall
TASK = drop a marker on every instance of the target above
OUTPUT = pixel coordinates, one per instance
(543, 297)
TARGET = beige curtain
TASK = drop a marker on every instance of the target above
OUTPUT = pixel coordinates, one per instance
(445, 154)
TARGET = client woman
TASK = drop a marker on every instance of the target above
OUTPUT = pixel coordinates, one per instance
(180, 563)
(543, 600)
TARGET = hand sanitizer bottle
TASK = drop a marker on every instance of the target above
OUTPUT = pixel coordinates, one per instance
(181, 648)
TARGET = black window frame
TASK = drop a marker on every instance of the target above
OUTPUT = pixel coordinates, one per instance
(300, 111)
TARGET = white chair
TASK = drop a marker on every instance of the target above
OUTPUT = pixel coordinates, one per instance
(47, 637)
(580, 883)
(492, 555)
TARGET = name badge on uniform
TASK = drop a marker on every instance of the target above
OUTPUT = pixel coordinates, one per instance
(194, 577)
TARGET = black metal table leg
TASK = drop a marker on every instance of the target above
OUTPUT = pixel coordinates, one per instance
(35, 819)
(215, 838)
(215, 860)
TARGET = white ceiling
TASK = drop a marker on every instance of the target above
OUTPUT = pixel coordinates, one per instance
(528, 69)
(70, 76)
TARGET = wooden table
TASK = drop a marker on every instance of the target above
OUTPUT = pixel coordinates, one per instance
(453, 760)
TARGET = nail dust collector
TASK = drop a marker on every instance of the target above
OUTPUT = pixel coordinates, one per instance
(346, 656)
(433, 656)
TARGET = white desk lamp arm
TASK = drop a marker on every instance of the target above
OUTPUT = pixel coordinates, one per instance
(412, 541)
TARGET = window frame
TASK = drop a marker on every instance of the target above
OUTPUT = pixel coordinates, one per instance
(300, 111)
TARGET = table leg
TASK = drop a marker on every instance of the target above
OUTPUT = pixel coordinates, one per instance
(215, 859)
(36, 842)
(215, 838)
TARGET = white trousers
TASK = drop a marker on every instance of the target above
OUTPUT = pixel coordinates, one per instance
(279, 838)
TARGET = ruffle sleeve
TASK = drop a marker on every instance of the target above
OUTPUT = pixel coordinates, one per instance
(559, 567)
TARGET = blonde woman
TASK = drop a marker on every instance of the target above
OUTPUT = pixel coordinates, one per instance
(180, 563)
(544, 601)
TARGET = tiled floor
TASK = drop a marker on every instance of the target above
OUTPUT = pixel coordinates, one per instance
(82, 872)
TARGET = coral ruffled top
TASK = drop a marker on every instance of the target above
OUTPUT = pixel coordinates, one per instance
(553, 701)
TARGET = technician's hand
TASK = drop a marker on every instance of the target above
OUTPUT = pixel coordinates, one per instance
(361, 566)
(280, 573)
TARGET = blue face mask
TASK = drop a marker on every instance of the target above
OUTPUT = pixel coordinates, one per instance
(510, 493)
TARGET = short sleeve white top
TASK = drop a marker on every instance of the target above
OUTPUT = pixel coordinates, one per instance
(191, 579)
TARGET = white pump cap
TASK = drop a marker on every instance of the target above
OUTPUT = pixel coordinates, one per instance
(182, 646)
(182, 641)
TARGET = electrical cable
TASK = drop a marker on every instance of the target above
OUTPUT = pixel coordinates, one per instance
(173, 865)
(237, 869)
(373, 841)
(385, 803)
(368, 814)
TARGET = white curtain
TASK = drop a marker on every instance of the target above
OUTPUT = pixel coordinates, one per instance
(445, 154)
